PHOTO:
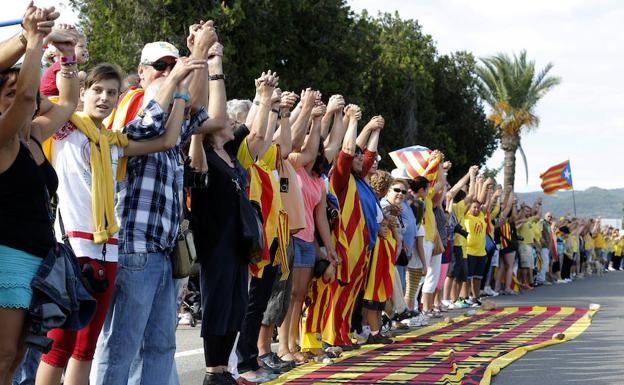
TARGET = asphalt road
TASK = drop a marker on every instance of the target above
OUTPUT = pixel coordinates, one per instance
(596, 357)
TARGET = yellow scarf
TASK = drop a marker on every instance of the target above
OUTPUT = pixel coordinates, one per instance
(102, 192)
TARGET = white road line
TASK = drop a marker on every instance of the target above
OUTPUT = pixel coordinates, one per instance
(189, 353)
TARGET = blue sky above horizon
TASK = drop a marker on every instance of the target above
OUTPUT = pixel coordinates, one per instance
(582, 119)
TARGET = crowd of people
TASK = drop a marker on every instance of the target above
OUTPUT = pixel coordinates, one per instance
(295, 229)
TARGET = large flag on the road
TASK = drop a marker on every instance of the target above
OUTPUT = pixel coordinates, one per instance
(557, 177)
(417, 161)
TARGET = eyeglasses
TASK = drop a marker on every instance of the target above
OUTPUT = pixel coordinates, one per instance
(398, 190)
(161, 65)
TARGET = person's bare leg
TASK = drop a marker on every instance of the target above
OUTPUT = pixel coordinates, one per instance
(77, 372)
(448, 288)
(11, 341)
(48, 374)
(283, 334)
(427, 301)
(264, 339)
(301, 280)
(475, 284)
(509, 257)
(465, 290)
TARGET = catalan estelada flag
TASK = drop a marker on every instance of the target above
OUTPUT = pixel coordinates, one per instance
(557, 177)
(415, 160)
(128, 107)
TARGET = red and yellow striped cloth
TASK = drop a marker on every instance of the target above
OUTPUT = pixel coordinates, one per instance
(381, 274)
(470, 350)
(558, 177)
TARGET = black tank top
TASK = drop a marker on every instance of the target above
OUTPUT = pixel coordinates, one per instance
(25, 191)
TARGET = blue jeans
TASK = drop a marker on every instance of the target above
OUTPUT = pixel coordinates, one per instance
(25, 373)
(140, 321)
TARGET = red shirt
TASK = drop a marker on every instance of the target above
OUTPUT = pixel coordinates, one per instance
(47, 86)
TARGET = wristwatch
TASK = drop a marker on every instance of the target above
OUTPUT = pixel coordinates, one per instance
(284, 114)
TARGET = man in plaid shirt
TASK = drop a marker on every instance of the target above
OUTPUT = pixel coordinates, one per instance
(140, 324)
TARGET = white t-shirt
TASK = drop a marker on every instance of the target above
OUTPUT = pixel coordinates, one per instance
(70, 158)
(414, 262)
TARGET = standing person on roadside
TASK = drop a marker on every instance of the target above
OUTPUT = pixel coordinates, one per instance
(545, 242)
(27, 180)
(143, 301)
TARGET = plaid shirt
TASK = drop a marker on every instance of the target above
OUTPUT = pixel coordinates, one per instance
(149, 200)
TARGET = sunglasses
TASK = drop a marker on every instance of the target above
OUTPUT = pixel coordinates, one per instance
(398, 190)
(161, 65)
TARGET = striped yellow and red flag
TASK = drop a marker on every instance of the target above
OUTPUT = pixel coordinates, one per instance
(558, 177)
(417, 161)
(128, 107)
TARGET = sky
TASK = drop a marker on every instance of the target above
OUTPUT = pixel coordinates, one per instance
(582, 119)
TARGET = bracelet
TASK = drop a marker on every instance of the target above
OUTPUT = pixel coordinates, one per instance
(68, 60)
(184, 97)
(216, 77)
(283, 115)
(22, 38)
(275, 110)
(69, 74)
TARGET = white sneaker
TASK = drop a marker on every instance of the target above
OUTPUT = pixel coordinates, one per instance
(567, 280)
(417, 321)
(366, 331)
(447, 303)
(488, 290)
(185, 319)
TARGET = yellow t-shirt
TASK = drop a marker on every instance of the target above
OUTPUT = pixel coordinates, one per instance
(526, 232)
(574, 243)
(617, 248)
(430, 224)
(589, 242)
(475, 225)
(599, 241)
(537, 231)
(459, 209)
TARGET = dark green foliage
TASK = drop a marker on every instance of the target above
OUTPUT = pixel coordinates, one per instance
(385, 64)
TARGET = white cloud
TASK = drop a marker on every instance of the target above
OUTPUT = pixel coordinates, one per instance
(582, 118)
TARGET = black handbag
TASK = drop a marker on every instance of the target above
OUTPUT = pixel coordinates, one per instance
(402, 259)
(252, 233)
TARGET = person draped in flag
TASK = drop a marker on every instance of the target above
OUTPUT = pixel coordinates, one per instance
(309, 161)
(356, 230)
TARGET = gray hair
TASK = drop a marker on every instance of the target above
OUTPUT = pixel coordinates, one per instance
(236, 107)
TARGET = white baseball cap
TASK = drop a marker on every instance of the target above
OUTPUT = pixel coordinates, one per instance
(400, 173)
(157, 50)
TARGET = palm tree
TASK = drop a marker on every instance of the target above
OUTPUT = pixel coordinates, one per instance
(511, 87)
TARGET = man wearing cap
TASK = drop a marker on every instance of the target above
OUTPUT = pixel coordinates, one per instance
(141, 318)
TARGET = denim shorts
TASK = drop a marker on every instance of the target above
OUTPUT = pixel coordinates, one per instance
(305, 253)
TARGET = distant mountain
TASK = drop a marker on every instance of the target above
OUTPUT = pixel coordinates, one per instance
(592, 202)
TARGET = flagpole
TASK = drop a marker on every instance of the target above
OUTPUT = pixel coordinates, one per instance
(573, 196)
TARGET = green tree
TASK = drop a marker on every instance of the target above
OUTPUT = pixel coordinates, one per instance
(385, 64)
(512, 88)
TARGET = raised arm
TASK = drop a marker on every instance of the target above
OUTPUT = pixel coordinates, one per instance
(472, 187)
(178, 80)
(362, 138)
(45, 125)
(334, 139)
(320, 219)
(484, 188)
(284, 137)
(199, 42)
(300, 127)
(217, 101)
(310, 148)
(258, 130)
(350, 138)
(197, 153)
(458, 186)
(19, 114)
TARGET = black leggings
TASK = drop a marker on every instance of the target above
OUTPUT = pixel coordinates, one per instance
(566, 266)
(217, 349)
(616, 261)
(259, 293)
